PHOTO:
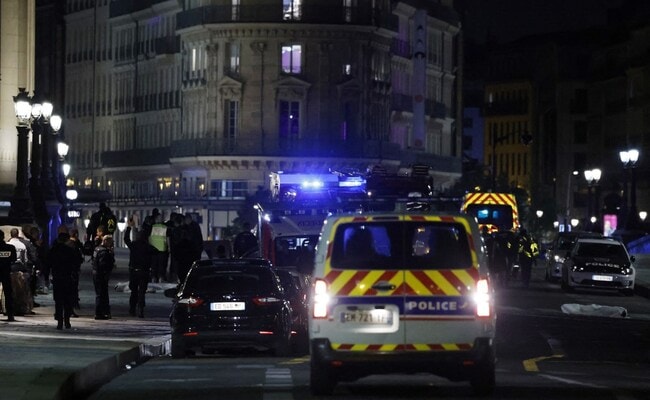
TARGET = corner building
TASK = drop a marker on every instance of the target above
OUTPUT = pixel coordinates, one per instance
(188, 105)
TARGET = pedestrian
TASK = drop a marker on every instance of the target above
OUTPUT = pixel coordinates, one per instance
(33, 261)
(63, 260)
(527, 252)
(149, 221)
(41, 254)
(183, 253)
(103, 264)
(498, 256)
(7, 259)
(21, 249)
(196, 236)
(175, 242)
(141, 259)
(103, 217)
(159, 234)
(245, 242)
(78, 246)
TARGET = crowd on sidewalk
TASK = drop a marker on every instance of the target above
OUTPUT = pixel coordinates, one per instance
(159, 251)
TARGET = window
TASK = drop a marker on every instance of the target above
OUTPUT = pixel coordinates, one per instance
(347, 69)
(291, 58)
(289, 120)
(235, 10)
(291, 9)
(231, 123)
(580, 132)
(347, 10)
(222, 189)
(233, 57)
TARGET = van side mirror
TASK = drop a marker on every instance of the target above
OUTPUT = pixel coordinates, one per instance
(171, 293)
(632, 259)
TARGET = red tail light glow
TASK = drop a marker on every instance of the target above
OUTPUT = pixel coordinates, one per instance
(191, 302)
(265, 301)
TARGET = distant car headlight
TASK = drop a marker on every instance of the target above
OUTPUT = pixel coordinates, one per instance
(558, 259)
(625, 270)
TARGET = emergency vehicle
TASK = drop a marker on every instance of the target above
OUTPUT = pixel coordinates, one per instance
(401, 292)
(496, 211)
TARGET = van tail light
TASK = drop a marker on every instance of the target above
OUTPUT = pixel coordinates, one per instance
(266, 301)
(483, 299)
(321, 299)
(191, 302)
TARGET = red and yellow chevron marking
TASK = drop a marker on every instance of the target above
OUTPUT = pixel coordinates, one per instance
(493, 198)
(454, 282)
(403, 347)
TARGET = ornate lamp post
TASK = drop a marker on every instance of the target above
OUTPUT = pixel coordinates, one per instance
(629, 159)
(592, 176)
(20, 203)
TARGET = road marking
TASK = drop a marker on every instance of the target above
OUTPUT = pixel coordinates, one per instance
(277, 384)
(530, 365)
(572, 382)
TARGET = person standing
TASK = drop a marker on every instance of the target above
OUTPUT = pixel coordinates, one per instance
(63, 260)
(140, 263)
(196, 236)
(78, 246)
(527, 252)
(245, 242)
(103, 264)
(159, 239)
(7, 259)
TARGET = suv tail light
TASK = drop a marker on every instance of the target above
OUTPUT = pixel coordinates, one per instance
(191, 302)
(482, 299)
(321, 299)
(265, 301)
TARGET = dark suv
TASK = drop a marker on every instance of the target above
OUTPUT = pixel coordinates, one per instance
(227, 304)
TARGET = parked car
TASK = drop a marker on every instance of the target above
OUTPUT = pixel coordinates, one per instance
(599, 264)
(559, 248)
(401, 292)
(227, 304)
(296, 287)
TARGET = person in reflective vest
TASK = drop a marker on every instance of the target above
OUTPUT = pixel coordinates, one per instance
(528, 250)
(159, 238)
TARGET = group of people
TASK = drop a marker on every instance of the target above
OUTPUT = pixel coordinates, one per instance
(505, 249)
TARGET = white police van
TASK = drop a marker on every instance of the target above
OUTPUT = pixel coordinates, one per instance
(401, 292)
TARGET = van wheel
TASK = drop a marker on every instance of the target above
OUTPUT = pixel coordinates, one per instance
(321, 381)
(178, 348)
(483, 381)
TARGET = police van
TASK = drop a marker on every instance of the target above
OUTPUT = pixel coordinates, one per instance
(401, 292)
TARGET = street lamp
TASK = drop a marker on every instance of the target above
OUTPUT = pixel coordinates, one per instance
(592, 176)
(20, 209)
(629, 159)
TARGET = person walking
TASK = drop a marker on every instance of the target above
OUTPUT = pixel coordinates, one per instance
(7, 259)
(63, 260)
(159, 238)
(141, 257)
(103, 264)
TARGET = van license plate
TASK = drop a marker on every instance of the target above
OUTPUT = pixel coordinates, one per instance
(602, 278)
(370, 317)
(229, 306)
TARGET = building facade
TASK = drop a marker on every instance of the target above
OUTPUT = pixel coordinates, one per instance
(189, 106)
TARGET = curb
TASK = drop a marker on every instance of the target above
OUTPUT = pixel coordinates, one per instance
(83, 383)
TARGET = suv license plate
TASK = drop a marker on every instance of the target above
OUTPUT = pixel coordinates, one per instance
(370, 317)
(602, 278)
(229, 306)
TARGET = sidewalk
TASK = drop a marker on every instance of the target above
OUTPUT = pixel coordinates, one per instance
(37, 362)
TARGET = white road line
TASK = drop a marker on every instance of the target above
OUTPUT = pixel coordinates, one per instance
(572, 382)
(278, 384)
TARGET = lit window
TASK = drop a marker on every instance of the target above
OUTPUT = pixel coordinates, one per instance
(235, 10)
(291, 58)
(291, 9)
(233, 57)
(347, 69)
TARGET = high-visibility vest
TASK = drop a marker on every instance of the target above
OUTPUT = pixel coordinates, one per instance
(158, 237)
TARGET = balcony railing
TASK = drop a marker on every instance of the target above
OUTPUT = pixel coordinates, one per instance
(330, 14)
(129, 158)
(168, 45)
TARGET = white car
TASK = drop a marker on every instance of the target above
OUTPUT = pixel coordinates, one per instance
(401, 292)
(599, 264)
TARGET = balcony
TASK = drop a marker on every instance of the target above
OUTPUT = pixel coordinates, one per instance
(137, 157)
(331, 14)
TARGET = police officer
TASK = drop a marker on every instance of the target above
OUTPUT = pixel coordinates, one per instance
(140, 264)
(159, 238)
(527, 252)
(7, 259)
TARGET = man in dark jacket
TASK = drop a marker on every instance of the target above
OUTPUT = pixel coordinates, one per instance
(63, 260)
(140, 261)
(7, 258)
(103, 264)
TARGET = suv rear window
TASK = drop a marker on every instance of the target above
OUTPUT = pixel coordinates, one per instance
(252, 281)
(401, 245)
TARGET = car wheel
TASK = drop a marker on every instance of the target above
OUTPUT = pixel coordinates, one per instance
(178, 348)
(483, 381)
(321, 381)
